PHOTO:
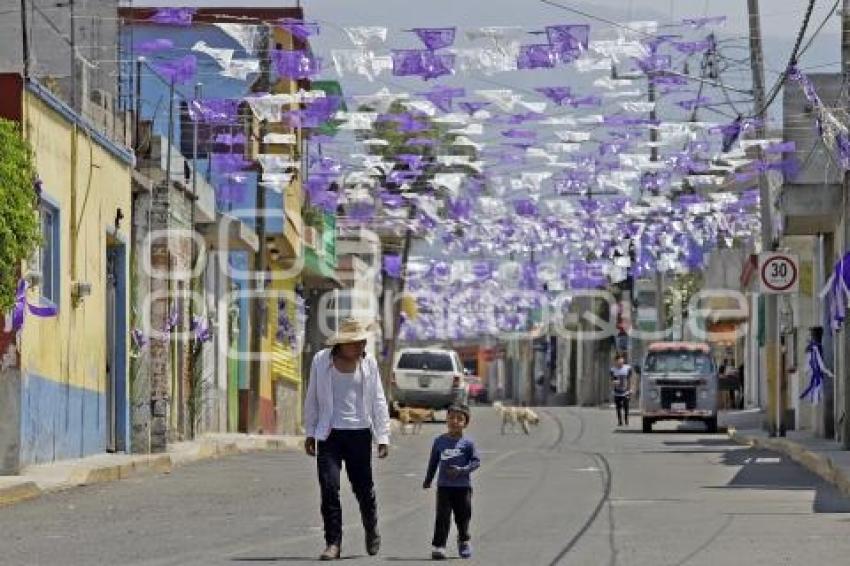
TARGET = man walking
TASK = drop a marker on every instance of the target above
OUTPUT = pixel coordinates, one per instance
(345, 408)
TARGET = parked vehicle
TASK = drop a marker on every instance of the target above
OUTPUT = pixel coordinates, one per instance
(477, 390)
(679, 382)
(430, 378)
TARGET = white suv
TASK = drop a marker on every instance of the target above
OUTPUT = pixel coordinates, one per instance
(430, 378)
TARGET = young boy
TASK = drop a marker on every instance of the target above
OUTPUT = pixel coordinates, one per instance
(457, 458)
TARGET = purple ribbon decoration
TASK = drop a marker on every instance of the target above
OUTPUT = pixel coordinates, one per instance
(173, 16)
(298, 64)
(201, 329)
(298, 28)
(138, 338)
(22, 305)
(154, 45)
(436, 38)
(173, 320)
(178, 71)
(537, 56)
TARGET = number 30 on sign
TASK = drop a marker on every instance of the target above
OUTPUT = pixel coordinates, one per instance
(779, 273)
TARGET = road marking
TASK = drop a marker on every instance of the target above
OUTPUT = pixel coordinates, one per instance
(589, 469)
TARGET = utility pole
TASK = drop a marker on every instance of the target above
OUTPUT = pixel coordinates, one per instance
(845, 75)
(532, 377)
(660, 314)
(774, 382)
(259, 301)
(25, 42)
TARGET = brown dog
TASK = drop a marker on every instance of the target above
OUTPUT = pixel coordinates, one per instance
(412, 417)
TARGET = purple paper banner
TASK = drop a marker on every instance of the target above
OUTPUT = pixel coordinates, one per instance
(436, 38)
(174, 16)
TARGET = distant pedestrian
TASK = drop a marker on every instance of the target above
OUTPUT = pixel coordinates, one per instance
(344, 410)
(621, 384)
(457, 457)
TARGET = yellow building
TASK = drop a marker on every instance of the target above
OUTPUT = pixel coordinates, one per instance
(73, 366)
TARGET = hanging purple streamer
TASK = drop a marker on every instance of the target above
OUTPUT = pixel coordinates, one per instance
(173, 16)
(436, 38)
(525, 207)
(298, 64)
(537, 56)
(392, 265)
(422, 62)
(569, 39)
(179, 71)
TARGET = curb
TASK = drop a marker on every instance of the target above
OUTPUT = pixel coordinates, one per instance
(818, 464)
(19, 492)
(149, 465)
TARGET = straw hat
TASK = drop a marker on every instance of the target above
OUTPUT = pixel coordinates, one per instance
(350, 330)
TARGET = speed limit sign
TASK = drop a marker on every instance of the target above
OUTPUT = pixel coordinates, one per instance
(779, 273)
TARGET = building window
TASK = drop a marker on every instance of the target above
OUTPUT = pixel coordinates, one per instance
(48, 253)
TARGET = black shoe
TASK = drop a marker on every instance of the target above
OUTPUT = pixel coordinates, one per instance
(330, 553)
(373, 542)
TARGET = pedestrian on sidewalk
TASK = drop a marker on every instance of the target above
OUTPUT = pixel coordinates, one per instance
(457, 457)
(345, 409)
(621, 384)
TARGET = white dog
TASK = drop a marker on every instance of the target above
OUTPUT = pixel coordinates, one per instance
(511, 416)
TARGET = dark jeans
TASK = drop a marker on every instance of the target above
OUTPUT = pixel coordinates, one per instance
(622, 403)
(457, 501)
(354, 447)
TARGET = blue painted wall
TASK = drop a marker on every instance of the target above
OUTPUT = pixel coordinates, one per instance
(77, 426)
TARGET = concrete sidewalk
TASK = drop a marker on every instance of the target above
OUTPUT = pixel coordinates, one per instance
(821, 456)
(65, 474)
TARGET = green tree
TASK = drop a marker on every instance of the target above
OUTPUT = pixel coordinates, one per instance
(19, 224)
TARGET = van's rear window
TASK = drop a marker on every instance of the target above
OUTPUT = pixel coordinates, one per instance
(679, 362)
(425, 360)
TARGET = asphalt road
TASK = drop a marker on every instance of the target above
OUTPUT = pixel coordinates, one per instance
(576, 491)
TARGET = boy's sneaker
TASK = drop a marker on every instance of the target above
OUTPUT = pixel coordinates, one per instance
(438, 553)
(464, 549)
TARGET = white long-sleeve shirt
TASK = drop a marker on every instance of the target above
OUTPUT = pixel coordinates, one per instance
(319, 403)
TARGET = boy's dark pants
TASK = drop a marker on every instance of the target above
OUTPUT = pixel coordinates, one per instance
(457, 501)
(622, 403)
(354, 447)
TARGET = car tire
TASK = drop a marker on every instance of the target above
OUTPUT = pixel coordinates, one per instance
(646, 424)
(711, 425)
